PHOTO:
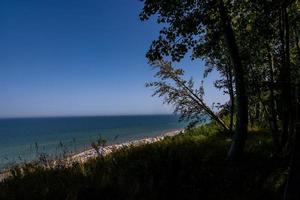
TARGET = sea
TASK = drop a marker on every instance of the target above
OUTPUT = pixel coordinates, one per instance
(25, 139)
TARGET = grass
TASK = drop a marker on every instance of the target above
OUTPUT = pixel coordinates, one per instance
(188, 166)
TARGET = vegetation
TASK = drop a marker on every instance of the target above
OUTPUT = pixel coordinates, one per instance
(254, 45)
(192, 165)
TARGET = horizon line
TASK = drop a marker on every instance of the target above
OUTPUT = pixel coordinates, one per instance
(75, 116)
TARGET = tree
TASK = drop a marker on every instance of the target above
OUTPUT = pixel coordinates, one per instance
(238, 144)
(255, 47)
(200, 26)
(181, 93)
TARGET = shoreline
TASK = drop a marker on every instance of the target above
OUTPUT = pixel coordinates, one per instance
(85, 155)
(92, 153)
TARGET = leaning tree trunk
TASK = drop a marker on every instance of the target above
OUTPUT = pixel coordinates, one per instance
(200, 102)
(237, 147)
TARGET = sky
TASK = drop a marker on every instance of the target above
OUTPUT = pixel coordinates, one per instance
(80, 57)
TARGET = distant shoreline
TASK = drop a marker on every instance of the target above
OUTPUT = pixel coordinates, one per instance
(91, 153)
(24, 139)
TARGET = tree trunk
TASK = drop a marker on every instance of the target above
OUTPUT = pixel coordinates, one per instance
(273, 114)
(199, 101)
(237, 147)
(285, 75)
(231, 96)
(257, 112)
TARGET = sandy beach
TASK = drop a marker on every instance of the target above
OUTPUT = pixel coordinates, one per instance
(92, 153)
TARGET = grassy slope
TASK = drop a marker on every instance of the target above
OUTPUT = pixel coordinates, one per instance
(189, 166)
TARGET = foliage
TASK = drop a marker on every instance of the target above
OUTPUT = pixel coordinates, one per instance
(187, 100)
(255, 47)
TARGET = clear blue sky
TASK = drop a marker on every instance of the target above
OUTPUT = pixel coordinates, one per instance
(78, 57)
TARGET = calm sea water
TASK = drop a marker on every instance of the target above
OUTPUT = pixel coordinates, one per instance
(22, 139)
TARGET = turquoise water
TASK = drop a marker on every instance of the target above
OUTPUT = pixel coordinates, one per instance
(23, 139)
